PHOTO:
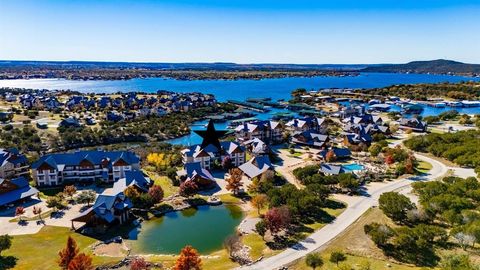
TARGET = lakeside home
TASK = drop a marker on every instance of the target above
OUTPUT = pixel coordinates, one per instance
(413, 124)
(83, 166)
(12, 164)
(267, 131)
(15, 190)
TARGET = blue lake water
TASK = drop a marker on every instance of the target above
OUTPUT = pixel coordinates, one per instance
(239, 89)
(242, 89)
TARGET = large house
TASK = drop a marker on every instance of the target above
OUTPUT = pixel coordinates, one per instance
(413, 124)
(310, 139)
(212, 150)
(207, 155)
(256, 166)
(12, 163)
(15, 190)
(110, 208)
(195, 172)
(267, 131)
(83, 166)
(319, 125)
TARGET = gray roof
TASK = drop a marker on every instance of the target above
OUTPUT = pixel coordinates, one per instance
(256, 166)
(331, 169)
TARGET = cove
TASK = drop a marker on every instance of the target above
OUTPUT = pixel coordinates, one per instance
(204, 227)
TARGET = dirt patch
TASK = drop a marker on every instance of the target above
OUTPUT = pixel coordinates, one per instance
(111, 250)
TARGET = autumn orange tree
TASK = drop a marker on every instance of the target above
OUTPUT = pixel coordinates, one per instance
(330, 156)
(259, 201)
(69, 191)
(68, 253)
(156, 193)
(189, 259)
(19, 211)
(37, 211)
(81, 262)
(139, 263)
(234, 181)
(131, 192)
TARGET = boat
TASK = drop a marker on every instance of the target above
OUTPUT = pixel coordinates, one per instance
(439, 104)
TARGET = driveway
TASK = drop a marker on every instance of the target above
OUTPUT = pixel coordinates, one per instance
(357, 206)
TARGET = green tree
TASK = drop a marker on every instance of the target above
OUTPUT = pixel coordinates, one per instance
(395, 206)
(314, 260)
(5, 242)
(337, 257)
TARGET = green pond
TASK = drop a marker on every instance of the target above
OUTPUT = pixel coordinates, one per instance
(205, 228)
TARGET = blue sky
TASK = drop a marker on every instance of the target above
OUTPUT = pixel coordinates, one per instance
(262, 31)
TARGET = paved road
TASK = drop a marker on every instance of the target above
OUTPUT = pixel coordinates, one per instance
(356, 207)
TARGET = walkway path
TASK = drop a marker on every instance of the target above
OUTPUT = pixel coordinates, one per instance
(356, 207)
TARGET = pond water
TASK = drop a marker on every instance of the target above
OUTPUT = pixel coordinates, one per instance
(205, 228)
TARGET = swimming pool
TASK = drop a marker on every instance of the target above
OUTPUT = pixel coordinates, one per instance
(353, 167)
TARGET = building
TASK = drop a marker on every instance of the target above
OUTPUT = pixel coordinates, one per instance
(267, 131)
(12, 163)
(110, 208)
(257, 147)
(134, 179)
(338, 153)
(330, 169)
(210, 154)
(256, 166)
(319, 125)
(413, 124)
(83, 166)
(15, 190)
(195, 172)
(213, 151)
(310, 139)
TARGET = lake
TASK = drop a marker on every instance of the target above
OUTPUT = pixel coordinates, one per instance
(205, 228)
(239, 89)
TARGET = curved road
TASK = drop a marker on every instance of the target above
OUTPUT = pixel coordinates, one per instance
(354, 210)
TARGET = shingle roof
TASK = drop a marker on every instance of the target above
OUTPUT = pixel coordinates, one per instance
(331, 169)
(132, 178)
(195, 169)
(256, 166)
(96, 157)
(23, 190)
(339, 152)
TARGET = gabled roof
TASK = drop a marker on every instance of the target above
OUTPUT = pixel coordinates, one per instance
(132, 178)
(339, 152)
(23, 190)
(194, 169)
(96, 157)
(331, 169)
(256, 166)
(11, 155)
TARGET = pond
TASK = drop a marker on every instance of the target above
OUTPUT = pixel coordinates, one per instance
(205, 228)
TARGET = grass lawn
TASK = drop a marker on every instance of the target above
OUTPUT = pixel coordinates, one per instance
(49, 192)
(215, 261)
(358, 247)
(164, 182)
(40, 250)
(423, 167)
